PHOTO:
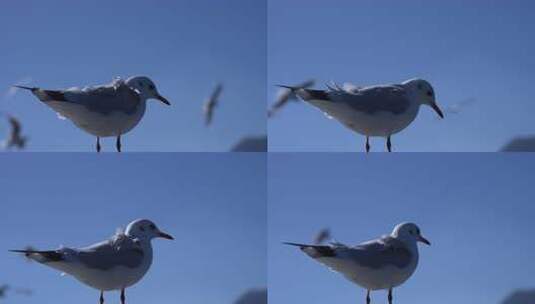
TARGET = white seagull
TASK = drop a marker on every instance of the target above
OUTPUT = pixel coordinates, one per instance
(211, 103)
(114, 264)
(106, 110)
(284, 95)
(380, 110)
(382, 263)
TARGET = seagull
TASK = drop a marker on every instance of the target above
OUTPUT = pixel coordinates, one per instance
(382, 263)
(114, 264)
(22, 291)
(211, 103)
(284, 95)
(105, 110)
(15, 138)
(380, 110)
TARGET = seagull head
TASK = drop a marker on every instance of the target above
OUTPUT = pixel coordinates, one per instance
(146, 88)
(409, 232)
(145, 230)
(423, 92)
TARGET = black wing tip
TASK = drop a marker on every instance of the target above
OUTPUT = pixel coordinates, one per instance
(26, 88)
(286, 87)
(295, 244)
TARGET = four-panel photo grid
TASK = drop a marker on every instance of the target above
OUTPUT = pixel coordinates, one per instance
(267, 151)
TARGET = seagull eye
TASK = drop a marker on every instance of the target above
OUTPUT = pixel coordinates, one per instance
(429, 93)
(152, 226)
(140, 84)
(151, 87)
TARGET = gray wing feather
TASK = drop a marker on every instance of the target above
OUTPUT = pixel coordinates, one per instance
(109, 254)
(378, 253)
(106, 99)
(374, 99)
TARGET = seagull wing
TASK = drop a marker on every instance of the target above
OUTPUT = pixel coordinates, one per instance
(379, 253)
(371, 100)
(103, 99)
(109, 254)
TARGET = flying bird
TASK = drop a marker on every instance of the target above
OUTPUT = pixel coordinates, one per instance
(380, 110)
(15, 138)
(114, 264)
(105, 110)
(22, 291)
(322, 236)
(211, 103)
(284, 95)
(383, 263)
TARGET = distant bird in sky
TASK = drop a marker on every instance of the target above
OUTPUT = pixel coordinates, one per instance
(383, 263)
(105, 110)
(380, 110)
(211, 103)
(284, 95)
(114, 264)
(322, 236)
(15, 138)
(22, 291)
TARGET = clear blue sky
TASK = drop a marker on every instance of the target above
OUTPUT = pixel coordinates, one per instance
(476, 209)
(213, 204)
(466, 49)
(185, 46)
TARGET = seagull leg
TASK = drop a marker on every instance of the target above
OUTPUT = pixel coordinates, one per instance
(101, 297)
(118, 143)
(122, 296)
(390, 296)
(389, 144)
(98, 144)
(368, 300)
(367, 144)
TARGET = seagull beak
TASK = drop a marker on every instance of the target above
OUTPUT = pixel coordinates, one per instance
(423, 240)
(165, 236)
(437, 109)
(162, 99)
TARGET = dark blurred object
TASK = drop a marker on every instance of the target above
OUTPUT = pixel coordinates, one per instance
(211, 103)
(251, 144)
(15, 139)
(521, 297)
(284, 95)
(253, 296)
(520, 144)
(322, 236)
(22, 291)
(3, 289)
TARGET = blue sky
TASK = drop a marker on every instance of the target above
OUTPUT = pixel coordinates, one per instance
(476, 209)
(185, 46)
(213, 204)
(477, 50)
